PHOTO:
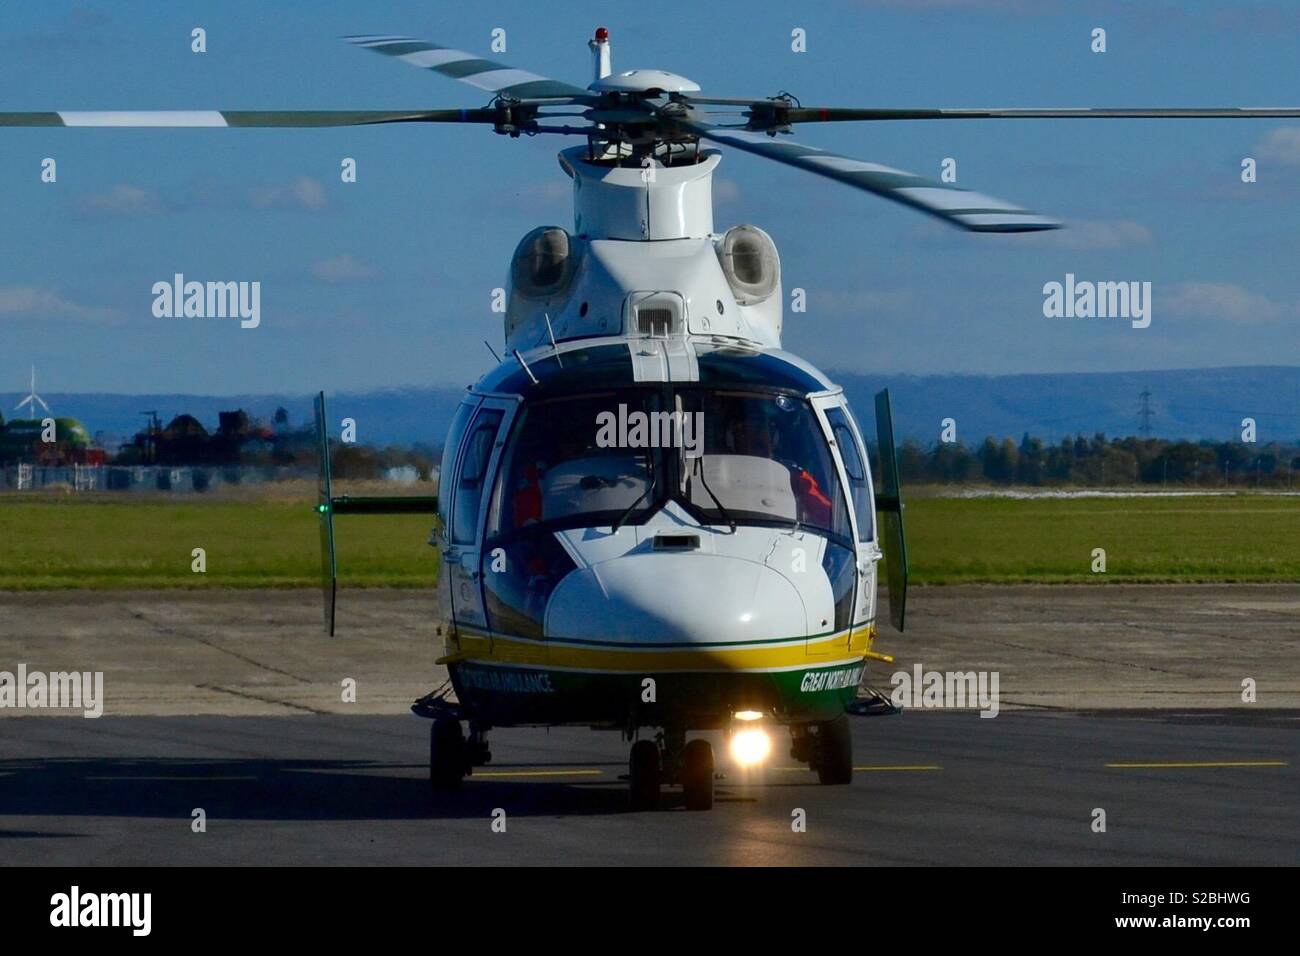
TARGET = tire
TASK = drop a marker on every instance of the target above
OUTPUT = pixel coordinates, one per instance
(697, 774)
(644, 775)
(835, 751)
(447, 763)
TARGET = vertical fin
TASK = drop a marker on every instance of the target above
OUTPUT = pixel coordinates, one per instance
(890, 502)
(325, 510)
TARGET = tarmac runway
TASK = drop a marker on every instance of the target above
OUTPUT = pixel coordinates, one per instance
(1116, 698)
(930, 788)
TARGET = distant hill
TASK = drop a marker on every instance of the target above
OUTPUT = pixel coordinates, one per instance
(1192, 403)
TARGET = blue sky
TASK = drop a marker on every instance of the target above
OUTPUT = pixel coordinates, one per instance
(387, 281)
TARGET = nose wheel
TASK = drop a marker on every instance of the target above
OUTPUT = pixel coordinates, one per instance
(644, 775)
(697, 774)
(448, 755)
(650, 766)
(832, 751)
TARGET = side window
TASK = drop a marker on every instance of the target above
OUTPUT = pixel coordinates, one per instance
(455, 435)
(468, 494)
(856, 469)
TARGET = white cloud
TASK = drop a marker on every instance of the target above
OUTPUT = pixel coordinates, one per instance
(123, 201)
(305, 192)
(1090, 235)
(1281, 145)
(342, 268)
(33, 302)
(1217, 300)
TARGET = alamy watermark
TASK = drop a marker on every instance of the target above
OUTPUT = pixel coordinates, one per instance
(952, 689)
(1098, 300)
(208, 300)
(56, 690)
(638, 429)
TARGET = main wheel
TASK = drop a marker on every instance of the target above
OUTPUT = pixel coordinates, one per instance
(697, 774)
(644, 776)
(835, 751)
(447, 756)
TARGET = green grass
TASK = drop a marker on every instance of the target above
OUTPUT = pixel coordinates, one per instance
(1245, 538)
(91, 542)
(84, 543)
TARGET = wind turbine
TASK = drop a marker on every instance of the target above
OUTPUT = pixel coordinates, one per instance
(32, 398)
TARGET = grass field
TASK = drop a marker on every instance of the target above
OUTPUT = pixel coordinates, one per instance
(106, 542)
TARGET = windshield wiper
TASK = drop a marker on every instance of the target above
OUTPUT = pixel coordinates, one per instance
(613, 529)
(726, 515)
(630, 508)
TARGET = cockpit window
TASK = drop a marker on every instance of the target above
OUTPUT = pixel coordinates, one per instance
(743, 457)
(578, 462)
(473, 469)
(855, 467)
(763, 459)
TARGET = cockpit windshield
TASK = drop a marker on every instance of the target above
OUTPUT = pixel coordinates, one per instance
(563, 469)
(763, 459)
(727, 457)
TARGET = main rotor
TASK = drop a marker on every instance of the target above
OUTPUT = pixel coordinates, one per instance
(651, 117)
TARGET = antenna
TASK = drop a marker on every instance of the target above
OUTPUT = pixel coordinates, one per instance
(32, 398)
(1145, 414)
(551, 332)
(493, 351)
(521, 361)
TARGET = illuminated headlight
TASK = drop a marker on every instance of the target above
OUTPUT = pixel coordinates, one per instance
(751, 746)
(748, 715)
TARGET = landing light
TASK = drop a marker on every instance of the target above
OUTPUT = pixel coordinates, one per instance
(749, 715)
(751, 746)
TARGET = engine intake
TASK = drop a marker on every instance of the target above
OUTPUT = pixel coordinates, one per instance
(750, 263)
(543, 263)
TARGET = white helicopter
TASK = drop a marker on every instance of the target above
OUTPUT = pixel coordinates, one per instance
(652, 519)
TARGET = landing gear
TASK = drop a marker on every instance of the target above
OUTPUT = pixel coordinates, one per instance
(831, 751)
(448, 757)
(644, 775)
(670, 759)
(697, 774)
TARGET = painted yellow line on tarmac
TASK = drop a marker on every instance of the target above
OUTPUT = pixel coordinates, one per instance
(1196, 764)
(537, 773)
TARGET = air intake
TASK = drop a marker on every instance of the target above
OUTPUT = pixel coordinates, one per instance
(543, 264)
(656, 321)
(750, 263)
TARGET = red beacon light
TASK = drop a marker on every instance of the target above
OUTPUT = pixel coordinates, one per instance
(602, 35)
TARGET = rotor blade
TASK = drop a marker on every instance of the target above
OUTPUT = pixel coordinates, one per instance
(961, 207)
(779, 111)
(490, 75)
(809, 114)
(242, 118)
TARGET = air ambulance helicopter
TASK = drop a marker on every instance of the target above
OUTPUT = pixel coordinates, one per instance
(652, 519)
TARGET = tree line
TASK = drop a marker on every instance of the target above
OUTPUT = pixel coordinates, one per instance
(1101, 461)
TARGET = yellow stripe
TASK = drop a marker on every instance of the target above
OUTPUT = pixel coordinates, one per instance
(798, 652)
(1196, 764)
(477, 646)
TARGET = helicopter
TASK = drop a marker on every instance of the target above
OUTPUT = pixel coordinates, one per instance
(652, 518)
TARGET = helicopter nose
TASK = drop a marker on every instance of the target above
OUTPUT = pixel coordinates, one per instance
(676, 599)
